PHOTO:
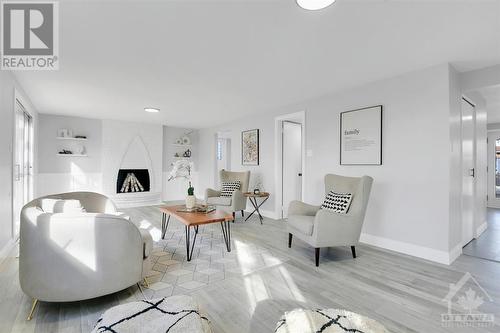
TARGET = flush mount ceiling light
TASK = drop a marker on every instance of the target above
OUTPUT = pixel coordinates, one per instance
(152, 110)
(314, 4)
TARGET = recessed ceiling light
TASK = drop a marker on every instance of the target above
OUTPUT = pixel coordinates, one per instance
(152, 110)
(314, 4)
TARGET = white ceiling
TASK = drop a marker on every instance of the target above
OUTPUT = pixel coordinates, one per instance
(208, 62)
(492, 97)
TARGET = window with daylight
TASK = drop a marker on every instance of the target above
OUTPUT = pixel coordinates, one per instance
(219, 150)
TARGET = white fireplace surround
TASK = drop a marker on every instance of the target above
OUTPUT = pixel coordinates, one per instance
(128, 145)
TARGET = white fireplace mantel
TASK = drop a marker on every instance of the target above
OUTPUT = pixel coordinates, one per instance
(129, 145)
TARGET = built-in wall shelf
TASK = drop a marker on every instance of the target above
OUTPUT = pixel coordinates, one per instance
(180, 145)
(182, 158)
(73, 155)
(70, 138)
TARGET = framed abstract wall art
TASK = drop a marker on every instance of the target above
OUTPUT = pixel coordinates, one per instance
(250, 147)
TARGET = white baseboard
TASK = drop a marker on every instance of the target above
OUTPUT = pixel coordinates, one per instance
(423, 252)
(481, 229)
(266, 213)
(4, 252)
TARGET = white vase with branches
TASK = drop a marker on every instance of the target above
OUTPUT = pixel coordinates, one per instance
(183, 169)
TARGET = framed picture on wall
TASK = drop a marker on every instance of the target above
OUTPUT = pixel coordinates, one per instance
(361, 136)
(250, 147)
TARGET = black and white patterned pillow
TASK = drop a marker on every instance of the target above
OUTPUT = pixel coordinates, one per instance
(229, 187)
(337, 202)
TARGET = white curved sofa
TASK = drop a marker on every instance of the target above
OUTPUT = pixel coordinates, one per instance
(74, 256)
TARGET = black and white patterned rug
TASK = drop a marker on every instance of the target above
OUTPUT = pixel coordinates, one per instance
(174, 314)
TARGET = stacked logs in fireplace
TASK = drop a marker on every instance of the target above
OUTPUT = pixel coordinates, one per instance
(132, 180)
(131, 184)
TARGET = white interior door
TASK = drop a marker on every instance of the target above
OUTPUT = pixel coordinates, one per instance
(468, 169)
(291, 164)
(494, 169)
(23, 180)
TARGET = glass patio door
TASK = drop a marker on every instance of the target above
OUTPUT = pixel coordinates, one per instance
(23, 164)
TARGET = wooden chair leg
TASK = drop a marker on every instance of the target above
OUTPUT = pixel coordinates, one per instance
(290, 236)
(317, 256)
(353, 250)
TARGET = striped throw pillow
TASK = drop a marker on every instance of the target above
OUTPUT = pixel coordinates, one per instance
(229, 187)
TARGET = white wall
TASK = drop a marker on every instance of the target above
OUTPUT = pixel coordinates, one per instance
(409, 207)
(60, 174)
(9, 90)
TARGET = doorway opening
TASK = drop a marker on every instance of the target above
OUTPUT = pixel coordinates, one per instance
(222, 153)
(23, 164)
(290, 160)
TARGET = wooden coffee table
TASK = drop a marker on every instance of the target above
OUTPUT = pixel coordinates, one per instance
(194, 220)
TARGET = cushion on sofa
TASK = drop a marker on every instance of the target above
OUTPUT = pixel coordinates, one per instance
(61, 206)
(219, 201)
(302, 223)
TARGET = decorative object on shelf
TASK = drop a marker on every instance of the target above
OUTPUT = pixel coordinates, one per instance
(182, 169)
(80, 137)
(178, 141)
(177, 155)
(62, 133)
(80, 149)
(187, 153)
(65, 152)
(250, 147)
(361, 136)
(186, 140)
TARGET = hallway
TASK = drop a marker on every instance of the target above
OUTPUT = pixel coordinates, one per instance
(487, 246)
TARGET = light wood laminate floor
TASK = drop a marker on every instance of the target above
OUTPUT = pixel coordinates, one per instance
(487, 246)
(261, 279)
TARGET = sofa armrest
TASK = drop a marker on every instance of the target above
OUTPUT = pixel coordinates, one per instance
(210, 193)
(301, 208)
(238, 201)
(69, 257)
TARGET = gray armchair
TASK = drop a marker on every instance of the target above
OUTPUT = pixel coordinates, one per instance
(322, 228)
(238, 202)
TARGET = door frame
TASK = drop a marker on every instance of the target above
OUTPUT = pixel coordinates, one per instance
(299, 117)
(19, 99)
(492, 201)
(474, 156)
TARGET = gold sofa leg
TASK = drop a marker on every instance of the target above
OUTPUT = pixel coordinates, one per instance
(33, 306)
(145, 282)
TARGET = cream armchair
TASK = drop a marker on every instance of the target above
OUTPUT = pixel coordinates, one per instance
(322, 228)
(73, 256)
(238, 202)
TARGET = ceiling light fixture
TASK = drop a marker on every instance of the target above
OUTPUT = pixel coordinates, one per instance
(314, 4)
(152, 110)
